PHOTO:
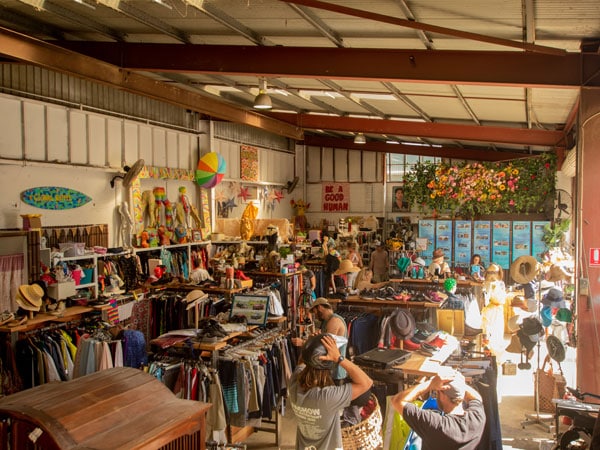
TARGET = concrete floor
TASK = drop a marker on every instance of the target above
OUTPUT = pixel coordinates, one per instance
(516, 397)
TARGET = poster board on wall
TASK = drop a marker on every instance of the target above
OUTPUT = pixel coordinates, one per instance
(443, 237)
(538, 247)
(482, 238)
(427, 232)
(521, 239)
(501, 243)
(463, 237)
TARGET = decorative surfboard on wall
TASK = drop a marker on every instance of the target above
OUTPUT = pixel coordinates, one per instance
(54, 197)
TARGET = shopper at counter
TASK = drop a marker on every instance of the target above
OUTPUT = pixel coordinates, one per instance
(463, 419)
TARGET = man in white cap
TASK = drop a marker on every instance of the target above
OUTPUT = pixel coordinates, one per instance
(463, 419)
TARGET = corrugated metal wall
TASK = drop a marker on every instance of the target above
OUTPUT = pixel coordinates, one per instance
(42, 84)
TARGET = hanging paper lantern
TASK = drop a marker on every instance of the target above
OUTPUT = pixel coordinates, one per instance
(211, 170)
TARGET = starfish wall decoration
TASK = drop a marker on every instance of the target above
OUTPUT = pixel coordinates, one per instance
(278, 196)
(244, 193)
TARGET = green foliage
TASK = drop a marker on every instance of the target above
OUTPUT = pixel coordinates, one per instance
(554, 234)
(475, 189)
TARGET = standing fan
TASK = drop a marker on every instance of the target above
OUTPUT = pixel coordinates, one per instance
(131, 174)
(563, 203)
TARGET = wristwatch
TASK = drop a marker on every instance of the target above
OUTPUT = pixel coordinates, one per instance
(340, 359)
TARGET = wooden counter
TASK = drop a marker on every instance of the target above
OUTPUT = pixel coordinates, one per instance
(115, 409)
(422, 365)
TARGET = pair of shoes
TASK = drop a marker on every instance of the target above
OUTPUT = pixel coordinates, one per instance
(409, 344)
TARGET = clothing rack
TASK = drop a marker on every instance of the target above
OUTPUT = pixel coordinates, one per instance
(51, 327)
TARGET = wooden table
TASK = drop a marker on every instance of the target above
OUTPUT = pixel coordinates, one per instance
(115, 409)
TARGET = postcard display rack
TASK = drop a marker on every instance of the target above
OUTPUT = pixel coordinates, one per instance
(497, 241)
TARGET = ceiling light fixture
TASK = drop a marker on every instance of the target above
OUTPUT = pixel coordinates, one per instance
(81, 2)
(262, 100)
(360, 139)
(162, 3)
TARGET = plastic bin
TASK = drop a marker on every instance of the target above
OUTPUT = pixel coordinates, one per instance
(88, 276)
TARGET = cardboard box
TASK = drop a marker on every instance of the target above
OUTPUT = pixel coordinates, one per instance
(60, 291)
(32, 221)
(246, 283)
(451, 321)
(509, 368)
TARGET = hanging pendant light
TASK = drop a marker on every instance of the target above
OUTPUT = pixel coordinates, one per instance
(262, 100)
(360, 139)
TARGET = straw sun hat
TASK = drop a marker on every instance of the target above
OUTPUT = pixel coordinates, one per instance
(346, 266)
(30, 297)
(524, 269)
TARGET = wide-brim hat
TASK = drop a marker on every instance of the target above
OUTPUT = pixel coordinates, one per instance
(438, 256)
(346, 266)
(558, 273)
(30, 296)
(524, 269)
(564, 315)
(312, 352)
(556, 349)
(515, 345)
(526, 341)
(494, 273)
(532, 326)
(513, 324)
(194, 295)
(403, 324)
(554, 298)
(519, 302)
(546, 315)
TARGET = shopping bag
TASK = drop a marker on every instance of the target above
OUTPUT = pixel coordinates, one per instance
(414, 441)
(549, 385)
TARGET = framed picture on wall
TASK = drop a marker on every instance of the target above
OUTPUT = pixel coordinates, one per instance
(255, 308)
(398, 202)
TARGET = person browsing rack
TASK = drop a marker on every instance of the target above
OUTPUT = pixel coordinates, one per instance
(314, 397)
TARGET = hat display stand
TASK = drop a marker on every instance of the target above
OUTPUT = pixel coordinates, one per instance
(536, 418)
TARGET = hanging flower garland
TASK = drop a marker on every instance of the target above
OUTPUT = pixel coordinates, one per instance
(474, 189)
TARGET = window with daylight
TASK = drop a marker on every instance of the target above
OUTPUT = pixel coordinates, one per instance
(398, 165)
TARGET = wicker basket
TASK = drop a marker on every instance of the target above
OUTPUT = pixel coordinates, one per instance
(365, 435)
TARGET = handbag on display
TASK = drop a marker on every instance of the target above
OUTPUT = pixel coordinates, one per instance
(550, 385)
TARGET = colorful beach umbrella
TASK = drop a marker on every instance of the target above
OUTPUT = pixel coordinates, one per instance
(211, 170)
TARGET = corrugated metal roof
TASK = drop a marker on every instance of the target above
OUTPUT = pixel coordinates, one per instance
(512, 95)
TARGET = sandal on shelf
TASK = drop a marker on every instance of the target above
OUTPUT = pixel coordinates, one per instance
(6, 317)
(16, 322)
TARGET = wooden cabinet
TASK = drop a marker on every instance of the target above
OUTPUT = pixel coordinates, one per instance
(120, 408)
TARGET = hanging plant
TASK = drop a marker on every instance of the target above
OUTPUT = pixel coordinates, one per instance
(475, 189)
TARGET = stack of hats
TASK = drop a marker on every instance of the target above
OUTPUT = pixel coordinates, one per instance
(529, 334)
(30, 296)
